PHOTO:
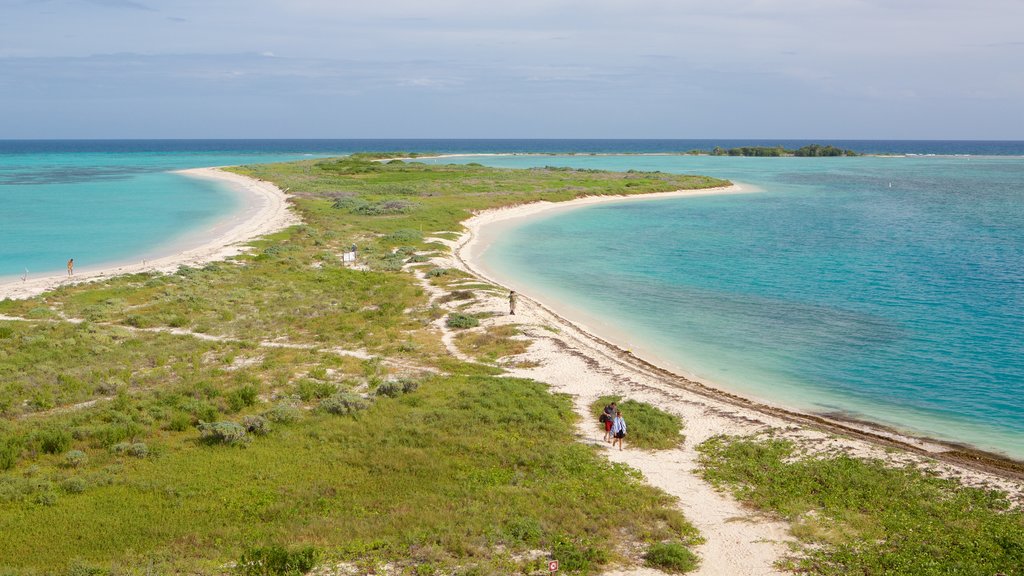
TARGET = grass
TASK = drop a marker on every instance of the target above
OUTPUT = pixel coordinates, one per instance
(452, 469)
(647, 426)
(858, 516)
(493, 343)
(125, 448)
(671, 557)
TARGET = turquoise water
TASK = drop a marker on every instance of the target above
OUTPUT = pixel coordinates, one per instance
(889, 289)
(100, 207)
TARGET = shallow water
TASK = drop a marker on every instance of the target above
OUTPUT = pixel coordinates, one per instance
(103, 203)
(890, 289)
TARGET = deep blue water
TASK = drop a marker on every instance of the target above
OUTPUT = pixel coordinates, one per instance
(890, 289)
(199, 148)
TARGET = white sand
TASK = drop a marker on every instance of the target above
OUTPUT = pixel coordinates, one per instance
(265, 210)
(574, 360)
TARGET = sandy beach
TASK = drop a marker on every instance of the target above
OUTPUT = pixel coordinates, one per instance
(586, 363)
(264, 210)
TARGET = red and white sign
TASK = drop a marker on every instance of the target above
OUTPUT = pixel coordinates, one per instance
(553, 566)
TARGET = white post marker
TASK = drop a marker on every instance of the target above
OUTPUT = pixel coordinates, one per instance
(553, 566)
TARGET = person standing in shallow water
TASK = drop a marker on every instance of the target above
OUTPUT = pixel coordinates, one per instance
(618, 429)
(71, 266)
(512, 297)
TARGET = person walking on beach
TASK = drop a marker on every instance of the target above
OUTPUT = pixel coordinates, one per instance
(607, 417)
(618, 429)
(71, 266)
(512, 297)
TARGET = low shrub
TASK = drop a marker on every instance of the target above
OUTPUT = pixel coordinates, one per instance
(577, 556)
(670, 557)
(74, 485)
(109, 434)
(437, 272)
(277, 561)
(343, 403)
(135, 449)
(308, 389)
(74, 459)
(523, 531)
(179, 422)
(257, 425)
(53, 440)
(395, 388)
(461, 321)
(457, 295)
(10, 451)
(228, 433)
(242, 397)
(389, 389)
(283, 413)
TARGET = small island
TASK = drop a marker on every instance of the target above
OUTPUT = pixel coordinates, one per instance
(811, 150)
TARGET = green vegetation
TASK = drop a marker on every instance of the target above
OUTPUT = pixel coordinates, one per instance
(671, 557)
(865, 517)
(260, 430)
(493, 343)
(277, 561)
(648, 427)
(813, 150)
(462, 321)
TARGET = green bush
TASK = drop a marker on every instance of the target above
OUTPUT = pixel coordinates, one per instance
(107, 435)
(10, 451)
(283, 413)
(74, 485)
(670, 557)
(277, 561)
(460, 321)
(75, 459)
(257, 425)
(179, 422)
(308, 389)
(523, 531)
(53, 440)
(136, 449)
(242, 397)
(437, 272)
(343, 403)
(577, 556)
(228, 433)
(389, 389)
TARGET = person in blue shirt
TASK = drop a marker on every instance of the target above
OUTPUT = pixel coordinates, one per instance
(618, 429)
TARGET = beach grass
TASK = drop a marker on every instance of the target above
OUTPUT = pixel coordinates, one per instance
(281, 400)
(648, 426)
(862, 516)
(453, 469)
(493, 343)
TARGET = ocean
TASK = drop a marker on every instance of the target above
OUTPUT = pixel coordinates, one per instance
(884, 288)
(888, 289)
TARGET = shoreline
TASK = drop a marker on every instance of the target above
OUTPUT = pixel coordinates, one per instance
(483, 228)
(264, 210)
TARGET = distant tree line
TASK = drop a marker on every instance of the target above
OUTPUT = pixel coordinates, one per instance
(809, 150)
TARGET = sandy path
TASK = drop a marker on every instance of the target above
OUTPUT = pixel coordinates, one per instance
(265, 210)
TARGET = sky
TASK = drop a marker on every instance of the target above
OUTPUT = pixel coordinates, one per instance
(828, 69)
